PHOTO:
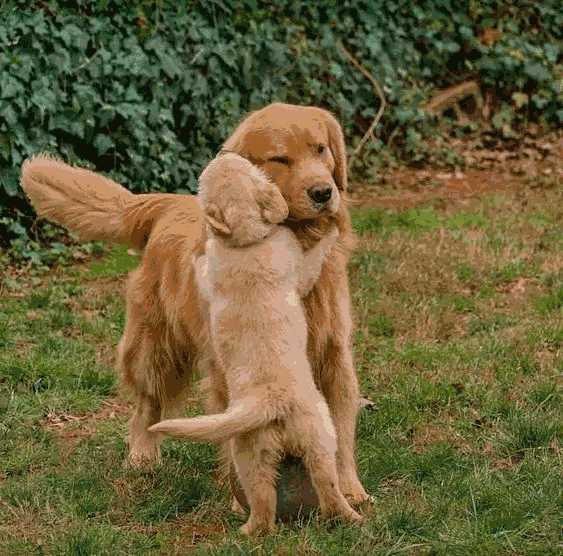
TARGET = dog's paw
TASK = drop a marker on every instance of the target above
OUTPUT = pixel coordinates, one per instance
(359, 499)
(354, 517)
(237, 508)
(142, 459)
(252, 528)
(355, 494)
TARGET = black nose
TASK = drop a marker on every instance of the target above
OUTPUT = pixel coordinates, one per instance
(320, 193)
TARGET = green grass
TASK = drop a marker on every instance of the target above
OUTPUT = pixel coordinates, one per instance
(458, 341)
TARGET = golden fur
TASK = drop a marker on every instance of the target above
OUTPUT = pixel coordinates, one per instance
(166, 337)
(253, 275)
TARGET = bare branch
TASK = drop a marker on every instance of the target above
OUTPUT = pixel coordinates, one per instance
(379, 92)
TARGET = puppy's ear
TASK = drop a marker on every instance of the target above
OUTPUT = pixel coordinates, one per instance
(338, 148)
(273, 206)
(216, 220)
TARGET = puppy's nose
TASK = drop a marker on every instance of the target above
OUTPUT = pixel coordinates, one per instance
(320, 193)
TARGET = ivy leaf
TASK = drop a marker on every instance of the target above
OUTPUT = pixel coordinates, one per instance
(537, 71)
(9, 115)
(520, 99)
(9, 86)
(170, 65)
(551, 52)
(103, 144)
(9, 182)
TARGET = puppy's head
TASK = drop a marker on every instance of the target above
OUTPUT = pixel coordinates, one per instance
(302, 150)
(241, 205)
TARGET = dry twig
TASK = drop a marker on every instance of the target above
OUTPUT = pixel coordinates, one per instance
(378, 90)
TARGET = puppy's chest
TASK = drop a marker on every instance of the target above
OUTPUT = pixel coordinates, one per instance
(257, 271)
(256, 301)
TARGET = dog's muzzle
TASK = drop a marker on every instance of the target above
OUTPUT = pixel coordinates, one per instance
(320, 194)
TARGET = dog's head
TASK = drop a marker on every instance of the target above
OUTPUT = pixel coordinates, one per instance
(302, 150)
(241, 205)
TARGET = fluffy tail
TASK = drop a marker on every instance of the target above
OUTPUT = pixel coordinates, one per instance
(248, 414)
(88, 204)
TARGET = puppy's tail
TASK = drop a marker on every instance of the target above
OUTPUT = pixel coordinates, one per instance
(89, 204)
(248, 414)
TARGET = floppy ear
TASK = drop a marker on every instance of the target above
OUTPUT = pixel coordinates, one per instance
(216, 220)
(236, 143)
(273, 206)
(338, 148)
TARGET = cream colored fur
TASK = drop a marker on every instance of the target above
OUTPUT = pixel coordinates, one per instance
(253, 275)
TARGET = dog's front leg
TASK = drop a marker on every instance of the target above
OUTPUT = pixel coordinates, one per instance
(339, 385)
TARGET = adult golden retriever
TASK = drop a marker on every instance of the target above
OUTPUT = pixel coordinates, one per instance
(166, 337)
(253, 276)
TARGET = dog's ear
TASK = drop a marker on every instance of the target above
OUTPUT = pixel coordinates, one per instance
(216, 220)
(273, 206)
(237, 142)
(338, 148)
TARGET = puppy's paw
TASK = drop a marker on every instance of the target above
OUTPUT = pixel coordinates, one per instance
(328, 241)
(333, 234)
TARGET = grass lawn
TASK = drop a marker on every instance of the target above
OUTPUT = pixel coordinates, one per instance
(459, 342)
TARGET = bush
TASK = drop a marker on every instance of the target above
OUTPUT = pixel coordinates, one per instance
(147, 90)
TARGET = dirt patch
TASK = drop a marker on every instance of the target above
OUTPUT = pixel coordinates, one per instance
(508, 463)
(188, 532)
(104, 287)
(22, 525)
(531, 162)
(415, 187)
(428, 434)
(72, 429)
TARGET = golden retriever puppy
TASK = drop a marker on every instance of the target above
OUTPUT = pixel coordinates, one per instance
(301, 149)
(253, 275)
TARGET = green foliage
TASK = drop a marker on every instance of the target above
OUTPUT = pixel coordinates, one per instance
(147, 90)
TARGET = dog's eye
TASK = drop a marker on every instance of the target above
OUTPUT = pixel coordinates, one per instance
(280, 159)
(321, 149)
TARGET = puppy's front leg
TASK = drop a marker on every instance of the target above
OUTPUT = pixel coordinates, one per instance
(313, 260)
(201, 268)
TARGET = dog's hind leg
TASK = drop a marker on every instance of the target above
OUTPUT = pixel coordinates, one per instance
(144, 447)
(137, 358)
(256, 456)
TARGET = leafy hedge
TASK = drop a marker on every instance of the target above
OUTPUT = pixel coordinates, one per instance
(147, 91)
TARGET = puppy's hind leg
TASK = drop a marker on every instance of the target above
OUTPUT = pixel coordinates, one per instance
(256, 457)
(319, 446)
